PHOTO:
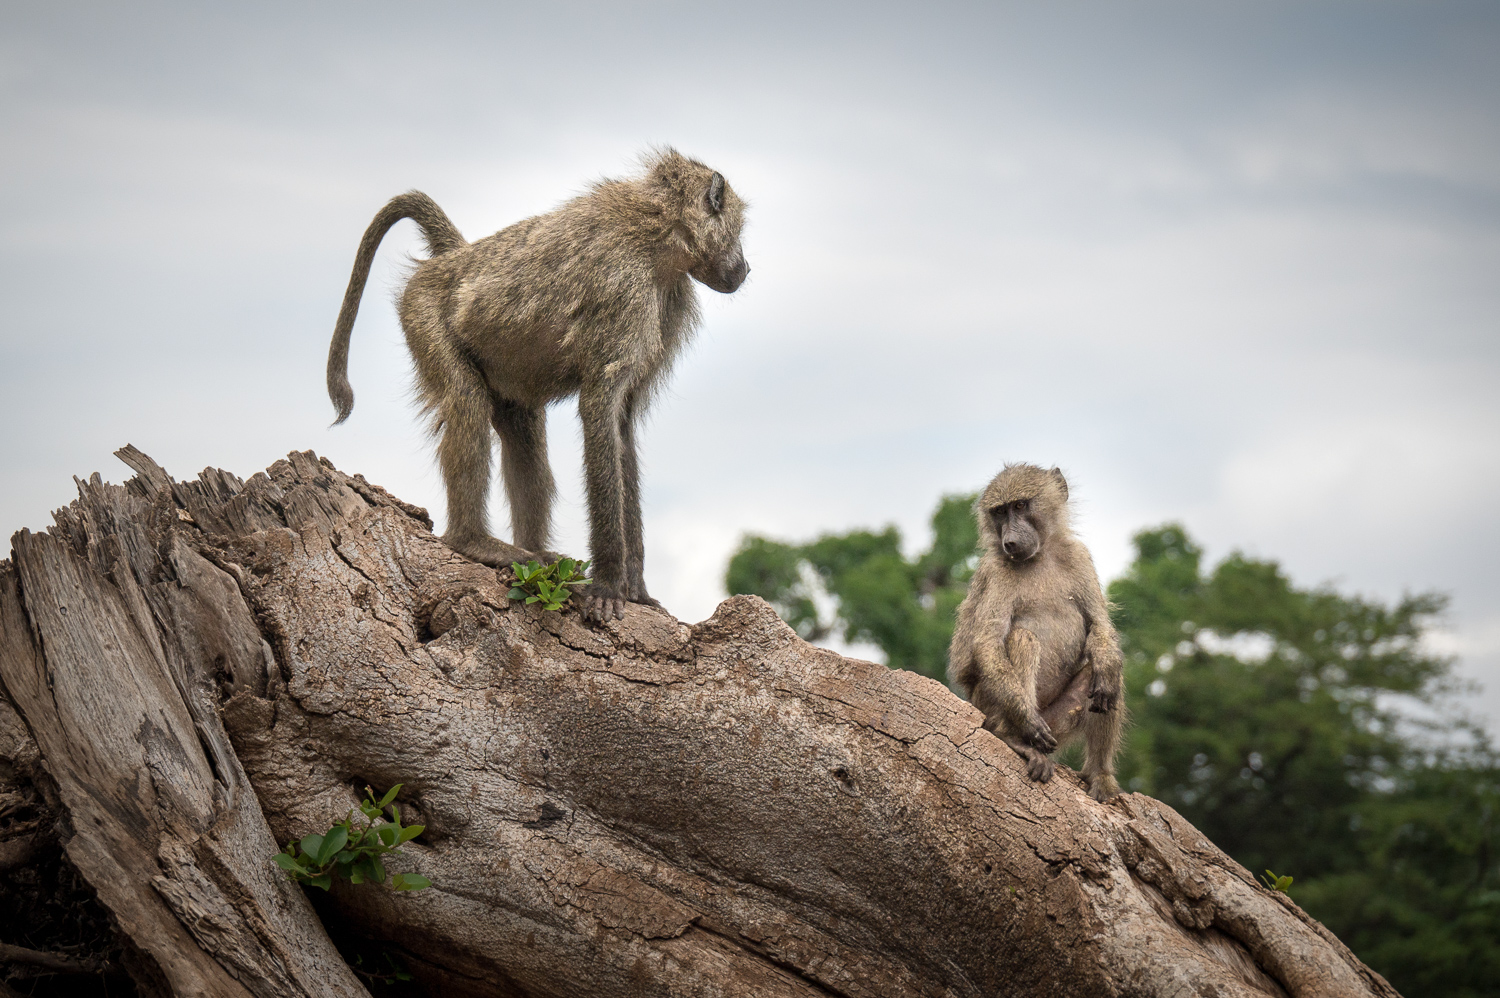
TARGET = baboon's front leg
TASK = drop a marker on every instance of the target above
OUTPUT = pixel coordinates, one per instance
(599, 409)
(635, 536)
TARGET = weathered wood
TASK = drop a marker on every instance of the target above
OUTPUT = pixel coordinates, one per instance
(103, 651)
(645, 808)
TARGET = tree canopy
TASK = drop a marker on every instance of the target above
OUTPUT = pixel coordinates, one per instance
(1303, 730)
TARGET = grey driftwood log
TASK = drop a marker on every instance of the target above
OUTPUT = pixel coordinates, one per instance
(198, 670)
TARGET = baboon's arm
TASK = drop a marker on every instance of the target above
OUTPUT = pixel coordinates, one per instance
(627, 341)
(1102, 644)
(962, 671)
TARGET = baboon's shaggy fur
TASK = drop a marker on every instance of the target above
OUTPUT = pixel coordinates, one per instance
(593, 299)
(1033, 646)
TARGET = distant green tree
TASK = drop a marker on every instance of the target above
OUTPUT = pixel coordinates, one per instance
(860, 586)
(1278, 720)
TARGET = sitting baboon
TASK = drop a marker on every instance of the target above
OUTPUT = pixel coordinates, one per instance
(594, 299)
(1033, 647)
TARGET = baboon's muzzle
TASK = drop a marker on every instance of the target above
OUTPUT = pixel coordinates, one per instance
(1019, 544)
(725, 276)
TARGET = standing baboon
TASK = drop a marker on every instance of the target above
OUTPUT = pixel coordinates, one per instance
(592, 299)
(1033, 646)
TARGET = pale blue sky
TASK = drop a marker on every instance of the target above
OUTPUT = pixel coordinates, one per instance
(1233, 264)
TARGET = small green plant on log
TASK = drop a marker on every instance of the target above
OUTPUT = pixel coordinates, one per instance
(548, 584)
(353, 850)
(1282, 884)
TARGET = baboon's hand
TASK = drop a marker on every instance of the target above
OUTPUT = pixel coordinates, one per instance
(601, 605)
(1039, 736)
(1107, 665)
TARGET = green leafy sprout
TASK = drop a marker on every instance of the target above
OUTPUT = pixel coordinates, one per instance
(353, 850)
(548, 584)
(1282, 884)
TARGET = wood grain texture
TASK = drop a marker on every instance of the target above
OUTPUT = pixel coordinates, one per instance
(642, 808)
(103, 651)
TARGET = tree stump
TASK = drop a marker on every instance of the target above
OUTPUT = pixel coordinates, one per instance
(196, 671)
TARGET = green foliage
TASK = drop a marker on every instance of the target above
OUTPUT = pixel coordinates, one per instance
(1262, 711)
(353, 850)
(1272, 718)
(1275, 883)
(548, 584)
(861, 587)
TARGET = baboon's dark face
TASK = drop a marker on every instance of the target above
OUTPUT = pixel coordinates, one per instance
(1017, 528)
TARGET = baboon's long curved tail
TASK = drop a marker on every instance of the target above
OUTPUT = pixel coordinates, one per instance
(441, 236)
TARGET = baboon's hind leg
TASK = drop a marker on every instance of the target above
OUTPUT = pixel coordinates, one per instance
(529, 486)
(1006, 694)
(460, 402)
(1024, 719)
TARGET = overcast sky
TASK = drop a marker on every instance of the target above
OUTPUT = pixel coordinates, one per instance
(1236, 265)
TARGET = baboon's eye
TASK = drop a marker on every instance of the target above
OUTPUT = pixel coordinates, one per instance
(1021, 505)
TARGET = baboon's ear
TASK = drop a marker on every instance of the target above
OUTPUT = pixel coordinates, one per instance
(716, 193)
(1062, 482)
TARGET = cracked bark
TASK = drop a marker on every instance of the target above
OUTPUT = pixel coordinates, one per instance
(645, 808)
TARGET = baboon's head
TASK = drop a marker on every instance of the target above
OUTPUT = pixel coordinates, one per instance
(1021, 509)
(707, 216)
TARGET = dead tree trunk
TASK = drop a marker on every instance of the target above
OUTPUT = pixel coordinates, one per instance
(206, 668)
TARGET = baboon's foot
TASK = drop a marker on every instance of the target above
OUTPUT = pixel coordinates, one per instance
(635, 590)
(655, 604)
(600, 604)
(1038, 735)
(1039, 767)
(1102, 787)
(484, 549)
